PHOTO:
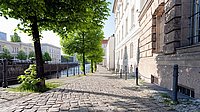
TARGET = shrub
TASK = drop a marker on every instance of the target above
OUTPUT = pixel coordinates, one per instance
(29, 80)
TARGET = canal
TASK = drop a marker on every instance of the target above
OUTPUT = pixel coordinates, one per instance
(75, 71)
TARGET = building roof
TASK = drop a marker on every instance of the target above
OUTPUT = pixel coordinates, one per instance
(105, 41)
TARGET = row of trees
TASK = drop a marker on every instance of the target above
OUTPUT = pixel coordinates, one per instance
(61, 16)
(22, 55)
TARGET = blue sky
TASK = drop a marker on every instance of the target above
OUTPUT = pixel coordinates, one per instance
(109, 24)
(8, 26)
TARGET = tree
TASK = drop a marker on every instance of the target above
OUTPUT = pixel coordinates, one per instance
(6, 54)
(83, 43)
(31, 55)
(46, 57)
(15, 38)
(61, 16)
(21, 55)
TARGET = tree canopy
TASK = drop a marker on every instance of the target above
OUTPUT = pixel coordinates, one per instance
(21, 55)
(46, 57)
(60, 16)
(31, 55)
(6, 54)
(15, 38)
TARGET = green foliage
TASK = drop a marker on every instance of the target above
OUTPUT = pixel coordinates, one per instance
(21, 55)
(48, 86)
(46, 57)
(6, 54)
(15, 38)
(29, 81)
(60, 16)
(31, 55)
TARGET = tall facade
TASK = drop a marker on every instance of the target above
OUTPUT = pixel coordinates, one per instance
(126, 34)
(104, 46)
(155, 35)
(170, 35)
(110, 53)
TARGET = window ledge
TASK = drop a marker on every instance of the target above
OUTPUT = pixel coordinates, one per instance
(189, 49)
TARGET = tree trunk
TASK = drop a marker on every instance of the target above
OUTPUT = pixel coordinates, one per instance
(91, 66)
(83, 54)
(95, 66)
(38, 52)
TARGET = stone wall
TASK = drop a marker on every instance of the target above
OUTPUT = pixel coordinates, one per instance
(175, 45)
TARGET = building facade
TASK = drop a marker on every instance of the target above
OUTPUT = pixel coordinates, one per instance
(15, 47)
(104, 46)
(170, 35)
(54, 52)
(3, 36)
(126, 34)
(110, 53)
(155, 35)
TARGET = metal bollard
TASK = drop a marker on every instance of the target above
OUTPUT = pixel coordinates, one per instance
(136, 76)
(175, 83)
(120, 74)
(125, 75)
(4, 83)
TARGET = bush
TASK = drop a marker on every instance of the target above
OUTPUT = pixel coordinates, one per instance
(29, 81)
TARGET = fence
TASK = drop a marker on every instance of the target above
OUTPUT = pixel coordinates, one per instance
(14, 70)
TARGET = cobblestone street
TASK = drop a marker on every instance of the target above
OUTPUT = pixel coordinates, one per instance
(101, 91)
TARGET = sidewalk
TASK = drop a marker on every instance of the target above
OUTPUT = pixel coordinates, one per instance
(100, 92)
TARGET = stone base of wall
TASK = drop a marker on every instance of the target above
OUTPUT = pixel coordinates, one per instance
(161, 66)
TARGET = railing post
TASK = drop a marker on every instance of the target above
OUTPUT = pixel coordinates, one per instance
(78, 70)
(4, 83)
(175, 83)
(74, 70)
(67, 70)
(57, 75)
(120, 74)
(136, 76)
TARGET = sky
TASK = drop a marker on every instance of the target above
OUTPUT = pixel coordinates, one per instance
(8, 26)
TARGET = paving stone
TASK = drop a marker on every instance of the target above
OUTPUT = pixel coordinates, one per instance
(101, 92)
(54, 109)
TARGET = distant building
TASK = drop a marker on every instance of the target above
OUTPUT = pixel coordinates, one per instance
(14, 47)
(126, 34)
(3, 36)
(104, 45)
(54, 52)
(110, 53)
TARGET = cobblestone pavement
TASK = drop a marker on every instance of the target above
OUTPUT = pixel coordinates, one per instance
(101, 92)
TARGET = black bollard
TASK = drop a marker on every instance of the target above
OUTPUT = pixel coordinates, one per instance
(120, 74)
(4, 83)
(126, 75)
(126, 72)
(175, 83)
(136, 76)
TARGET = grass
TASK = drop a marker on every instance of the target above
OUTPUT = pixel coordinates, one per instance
(167, 99)
(49, 86)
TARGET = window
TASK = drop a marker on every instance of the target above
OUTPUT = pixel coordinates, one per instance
(122, 54)
(132, 17)
(142, 3)
(131, 50)
(119, 38)
(194, 23)
(126, 25)
(122, 32)
(0, 48)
